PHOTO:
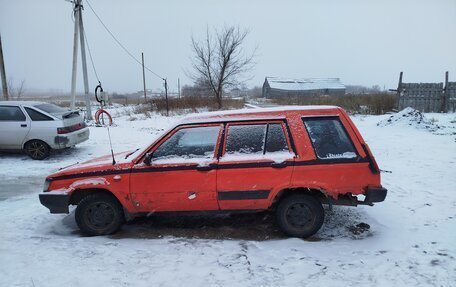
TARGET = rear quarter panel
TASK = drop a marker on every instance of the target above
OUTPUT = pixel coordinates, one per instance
(43, 130)
(331, 178)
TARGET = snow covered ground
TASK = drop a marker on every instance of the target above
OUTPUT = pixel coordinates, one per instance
(408, 240)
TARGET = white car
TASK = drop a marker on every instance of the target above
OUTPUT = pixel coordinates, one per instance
(38, 127)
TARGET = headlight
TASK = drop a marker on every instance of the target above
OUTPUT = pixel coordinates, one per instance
(47, 182)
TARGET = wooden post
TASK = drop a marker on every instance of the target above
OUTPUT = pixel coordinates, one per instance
(179, 87)
(3, 72)
(166, 97)
(446, 95)
(399, 90)
(144, 77)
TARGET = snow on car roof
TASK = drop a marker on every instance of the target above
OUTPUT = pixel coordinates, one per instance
(258, 113)
(24, 103)
(304, 84)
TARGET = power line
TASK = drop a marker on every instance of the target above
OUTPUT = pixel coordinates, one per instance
(90, 56)
(120, 44)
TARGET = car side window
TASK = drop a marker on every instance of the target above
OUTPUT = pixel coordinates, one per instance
(189, 143)
(275, 140)
(329, 138)
(245, 139)
(263, 140)
(37, 116)
(12, 114)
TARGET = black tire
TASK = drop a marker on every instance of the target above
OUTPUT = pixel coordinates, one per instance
(300, 215)
(99, 214)
(37, 149)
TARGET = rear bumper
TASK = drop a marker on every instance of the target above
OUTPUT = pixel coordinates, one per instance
(57, 203)
(375, 194)
(372, 195)
(71, 139)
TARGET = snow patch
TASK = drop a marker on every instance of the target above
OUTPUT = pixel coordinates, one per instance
(277, 157)
(410, 116)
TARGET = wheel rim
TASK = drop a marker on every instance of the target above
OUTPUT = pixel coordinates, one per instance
(299, 215)
(100, 215)
(37, 150)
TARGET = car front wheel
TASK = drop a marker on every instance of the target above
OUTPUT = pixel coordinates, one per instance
(99, 214)
(300, 215)
(37, 149)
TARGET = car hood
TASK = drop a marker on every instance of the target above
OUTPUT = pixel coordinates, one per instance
(99, 164)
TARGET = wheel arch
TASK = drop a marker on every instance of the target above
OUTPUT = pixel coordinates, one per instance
(316, 192)
(26, 141)
(78, 194)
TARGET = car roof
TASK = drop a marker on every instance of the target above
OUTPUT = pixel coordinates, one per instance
(260, 113)
(23, 103)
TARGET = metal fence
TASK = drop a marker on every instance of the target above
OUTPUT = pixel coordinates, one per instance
(427, 97)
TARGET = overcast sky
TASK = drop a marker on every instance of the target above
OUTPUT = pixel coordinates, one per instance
(362, 42)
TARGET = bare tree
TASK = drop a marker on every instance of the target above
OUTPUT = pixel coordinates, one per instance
(16, 92)
(20, 90)
(219, 59)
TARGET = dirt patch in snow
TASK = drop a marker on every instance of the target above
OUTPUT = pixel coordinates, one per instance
(341, 222)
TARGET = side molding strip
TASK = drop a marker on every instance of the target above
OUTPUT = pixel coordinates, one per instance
(243, 195)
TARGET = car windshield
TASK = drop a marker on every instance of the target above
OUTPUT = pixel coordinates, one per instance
(51, 108)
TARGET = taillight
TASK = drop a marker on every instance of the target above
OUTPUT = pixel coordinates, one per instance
(47, 182)
(70, 129)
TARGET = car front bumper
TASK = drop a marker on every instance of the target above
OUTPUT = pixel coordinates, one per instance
(57, 203)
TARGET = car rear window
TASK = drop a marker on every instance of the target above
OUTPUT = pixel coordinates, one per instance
(37, 116)
(11, 113)
(329, 138)
(51, 108)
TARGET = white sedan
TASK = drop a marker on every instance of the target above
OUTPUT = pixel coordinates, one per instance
(38, 127)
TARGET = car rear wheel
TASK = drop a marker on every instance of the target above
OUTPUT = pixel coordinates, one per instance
(300, 215)
(99, 214)
(37, 149)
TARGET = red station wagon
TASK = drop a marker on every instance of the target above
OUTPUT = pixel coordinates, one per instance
(290, 160)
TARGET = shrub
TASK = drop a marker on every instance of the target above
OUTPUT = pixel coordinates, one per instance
(375, 104)
(192, 103)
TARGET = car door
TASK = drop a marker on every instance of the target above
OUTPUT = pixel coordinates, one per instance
(256, 162)
(182, 173)
(14, 126)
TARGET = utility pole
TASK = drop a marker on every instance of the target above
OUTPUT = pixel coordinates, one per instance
(76, 11)
(3, 72)
(84, 68)
(166, 97)
(144, 77)
(79, 32)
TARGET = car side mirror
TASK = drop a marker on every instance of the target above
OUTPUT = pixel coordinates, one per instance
(148, 158)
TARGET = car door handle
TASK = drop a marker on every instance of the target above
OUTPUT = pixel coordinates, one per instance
(278, 164)
(23, 125)
(204, 167)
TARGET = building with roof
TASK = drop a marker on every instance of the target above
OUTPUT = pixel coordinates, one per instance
(274, 87)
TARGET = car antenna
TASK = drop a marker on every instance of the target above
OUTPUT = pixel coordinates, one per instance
(110, 143)
(101, 100)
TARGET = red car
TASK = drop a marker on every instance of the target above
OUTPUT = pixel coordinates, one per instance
(290, 160)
